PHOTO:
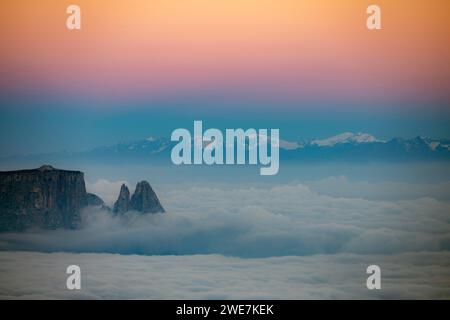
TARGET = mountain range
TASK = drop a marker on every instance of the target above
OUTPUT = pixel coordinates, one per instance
(346, 146)
(51, 198)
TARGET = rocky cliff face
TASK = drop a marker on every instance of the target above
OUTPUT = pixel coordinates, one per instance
(94, 200)
(122, 204)
(143, 200)
(45, 197)
(50, 198)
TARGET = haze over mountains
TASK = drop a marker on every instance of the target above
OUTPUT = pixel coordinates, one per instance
(346, 146)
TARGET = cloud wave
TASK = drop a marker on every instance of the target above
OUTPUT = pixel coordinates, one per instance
(28, 275)
(254, 222)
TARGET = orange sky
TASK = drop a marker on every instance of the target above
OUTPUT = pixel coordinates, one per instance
(290, 48)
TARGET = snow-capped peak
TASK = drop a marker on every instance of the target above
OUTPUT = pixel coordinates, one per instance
(346, 137)
(290, 145)
(283, 144)
(434, 144)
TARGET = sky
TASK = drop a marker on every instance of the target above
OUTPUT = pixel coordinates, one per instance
(309, 68)
(138, 68)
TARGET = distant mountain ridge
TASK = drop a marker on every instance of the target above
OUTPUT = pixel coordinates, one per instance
(346, 137)
(347, 146)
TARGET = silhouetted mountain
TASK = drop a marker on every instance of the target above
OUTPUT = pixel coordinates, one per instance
(143, 200)
(45, 197)
(94, 200)
(50, 198)
(122, 204)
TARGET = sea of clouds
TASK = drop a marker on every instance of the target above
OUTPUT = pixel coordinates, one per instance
(268, 221)
(31, 275)
(293, 240)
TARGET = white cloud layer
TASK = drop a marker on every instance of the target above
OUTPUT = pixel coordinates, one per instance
(341, 186)
(288, 241)
(30, 275)
(254, 222)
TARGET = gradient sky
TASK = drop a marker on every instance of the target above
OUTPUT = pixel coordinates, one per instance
(310, 67)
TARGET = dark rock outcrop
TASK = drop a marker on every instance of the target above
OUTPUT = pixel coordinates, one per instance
(45, 197)
(144, 200)
(122, 204)
(94, 200)
(50, 198)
